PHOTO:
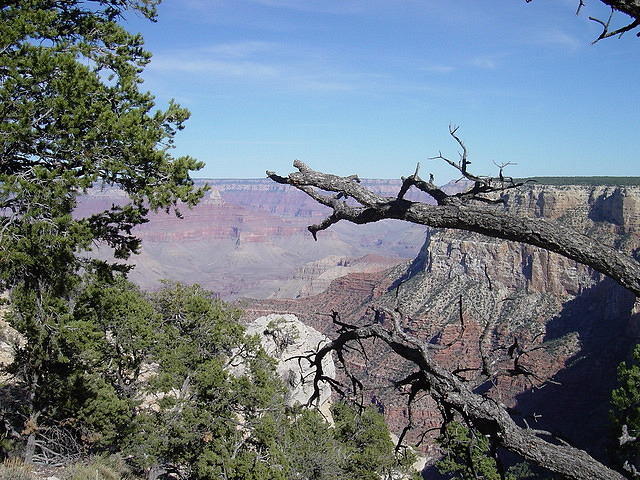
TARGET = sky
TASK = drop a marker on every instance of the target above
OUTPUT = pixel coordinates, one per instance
(370, 87)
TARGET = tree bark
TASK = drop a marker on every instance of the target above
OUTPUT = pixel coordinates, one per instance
(489, 220)
(630, 7)
(30, 448)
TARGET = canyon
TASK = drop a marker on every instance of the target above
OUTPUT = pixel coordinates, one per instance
(248, 241)
(250, 238)
(462, 289)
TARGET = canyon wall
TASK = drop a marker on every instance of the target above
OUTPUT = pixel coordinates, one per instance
(575, 324)
(250, 238)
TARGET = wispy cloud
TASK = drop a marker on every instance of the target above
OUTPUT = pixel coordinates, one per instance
(485, 61)
(325, 85)
(256, 142)
(557, 38)
(439, 68)
(267, 63)
(202, 6)
(266, 73)
(273, 66)
(241, 49)
(338, 7)
(244, 69)
(335, 7)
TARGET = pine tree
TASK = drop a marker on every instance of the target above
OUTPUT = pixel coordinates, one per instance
(73, 117)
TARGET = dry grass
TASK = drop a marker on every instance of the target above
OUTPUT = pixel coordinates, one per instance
(15, 469)
(98, 468)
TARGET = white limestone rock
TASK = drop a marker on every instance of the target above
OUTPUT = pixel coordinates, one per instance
(284, 337)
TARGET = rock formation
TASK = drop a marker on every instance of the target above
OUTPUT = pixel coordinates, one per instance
(250, 238)
(10, 339)
(288, 340)
(576, 324)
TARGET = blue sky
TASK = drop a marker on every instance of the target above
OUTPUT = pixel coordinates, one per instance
(371, 86)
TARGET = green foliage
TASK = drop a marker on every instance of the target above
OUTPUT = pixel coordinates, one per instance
(625, 410)
(311, 447)
(358, 446)
(84, 364)
(171, 381)
(283, 334)
(204, 411)
(150, 376)
(73, 117)
(467, 456)
(369, 448)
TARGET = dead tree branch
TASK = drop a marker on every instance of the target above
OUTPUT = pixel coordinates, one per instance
(485, 414)
(630, 8)
(460, 212)
(606, 33)
(475, 210)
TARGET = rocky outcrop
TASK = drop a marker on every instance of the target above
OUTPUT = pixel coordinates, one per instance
(288, 340)
(10, 339)
(580, 324)
(315, 277)
(609, 214)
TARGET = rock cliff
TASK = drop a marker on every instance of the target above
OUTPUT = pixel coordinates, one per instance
(577, 325)
(250, 238)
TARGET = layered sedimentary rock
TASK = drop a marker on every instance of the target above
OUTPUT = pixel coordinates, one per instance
(574, 325)
(315, 277)
(250, 238)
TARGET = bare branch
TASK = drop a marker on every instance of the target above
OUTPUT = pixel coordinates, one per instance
(580, 5)
(452, 393)
(427, 187)
(628, 7)
(472, 211)
(457, 214)
(417, 384)
(619, 31)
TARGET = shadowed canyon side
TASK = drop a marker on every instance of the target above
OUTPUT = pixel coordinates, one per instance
(250, 238)
(575, 325)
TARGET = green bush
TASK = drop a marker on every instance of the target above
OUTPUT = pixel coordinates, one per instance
(467, 456)
(171, 381)
(625, 412)
(74, 117)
